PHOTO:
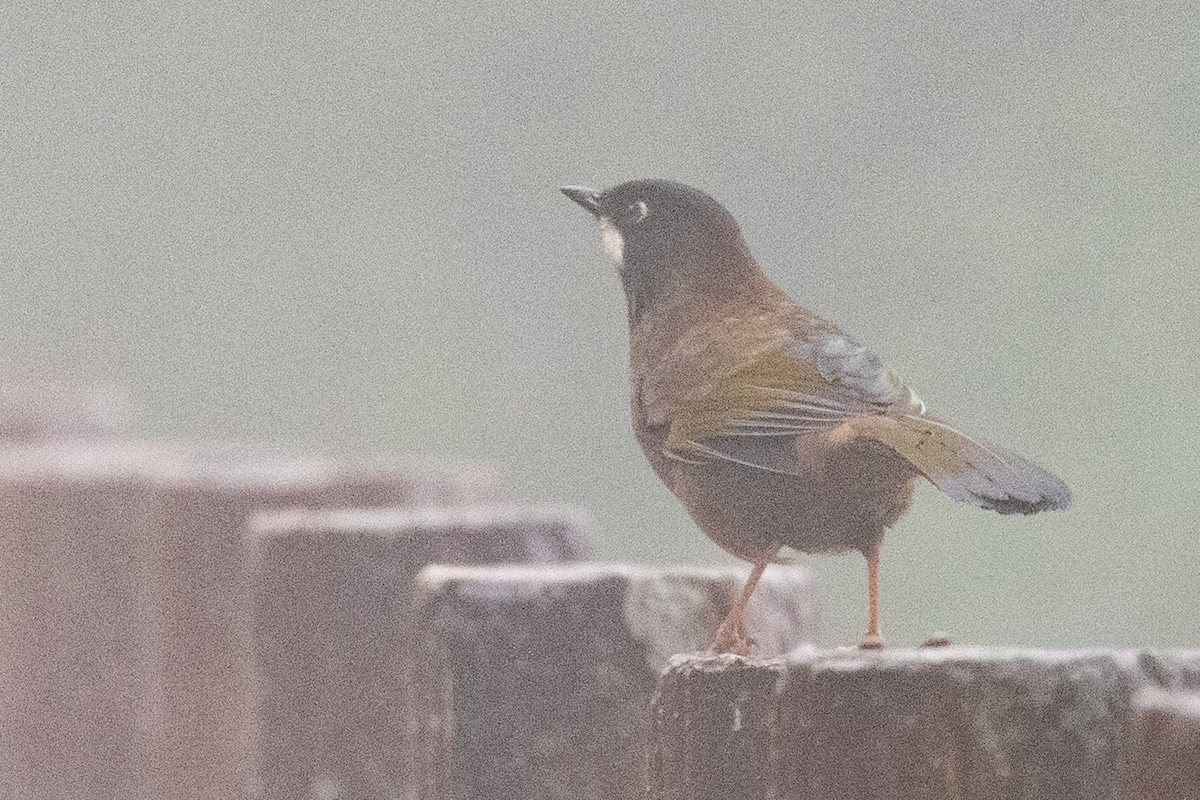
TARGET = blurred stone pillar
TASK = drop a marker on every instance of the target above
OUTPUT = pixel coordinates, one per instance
(125, 624)
(333, 593)
(33, 410)
(535, 683)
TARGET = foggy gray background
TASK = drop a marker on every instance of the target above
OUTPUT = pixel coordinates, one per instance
(340, 227)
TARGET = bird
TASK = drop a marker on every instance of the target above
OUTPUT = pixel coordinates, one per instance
(773, 427)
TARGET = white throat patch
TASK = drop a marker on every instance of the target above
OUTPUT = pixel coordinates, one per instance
(614, 244)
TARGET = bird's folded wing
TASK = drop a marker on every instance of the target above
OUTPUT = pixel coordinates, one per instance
(806, 385)
(754, 416)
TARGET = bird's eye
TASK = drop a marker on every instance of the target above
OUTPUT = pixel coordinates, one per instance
(639, 210)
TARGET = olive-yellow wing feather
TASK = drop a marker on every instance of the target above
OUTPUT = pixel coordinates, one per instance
(757, 414)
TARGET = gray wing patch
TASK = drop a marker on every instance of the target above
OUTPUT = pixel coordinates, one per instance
(858, 384)
(851, 366)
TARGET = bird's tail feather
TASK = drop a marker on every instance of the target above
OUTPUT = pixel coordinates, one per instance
(973, 471)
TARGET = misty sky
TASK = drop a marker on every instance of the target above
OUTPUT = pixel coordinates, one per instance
(339, 227)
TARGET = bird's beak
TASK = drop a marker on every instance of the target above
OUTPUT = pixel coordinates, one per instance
(588, 198)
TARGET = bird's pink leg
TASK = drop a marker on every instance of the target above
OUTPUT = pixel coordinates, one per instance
(873, 640)
(731, 634)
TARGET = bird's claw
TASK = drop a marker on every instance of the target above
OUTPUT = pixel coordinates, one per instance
(872, 641)
(732, 639)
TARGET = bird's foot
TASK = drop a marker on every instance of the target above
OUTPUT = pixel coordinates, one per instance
(872, 641)
(732, 638)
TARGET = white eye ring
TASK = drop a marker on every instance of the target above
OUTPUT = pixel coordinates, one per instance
(642, 209)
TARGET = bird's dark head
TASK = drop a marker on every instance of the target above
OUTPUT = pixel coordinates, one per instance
(656, 220)
(666, 236)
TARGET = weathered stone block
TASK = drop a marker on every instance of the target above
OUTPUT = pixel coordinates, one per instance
(333, 592)
(941, 723)
(536, 682)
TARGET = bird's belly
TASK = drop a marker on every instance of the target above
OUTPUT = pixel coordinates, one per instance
(842, 498)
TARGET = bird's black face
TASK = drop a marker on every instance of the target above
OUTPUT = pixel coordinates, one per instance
(649, 223)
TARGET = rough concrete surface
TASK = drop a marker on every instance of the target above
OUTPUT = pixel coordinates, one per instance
(1166, 744)
(949, 722)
